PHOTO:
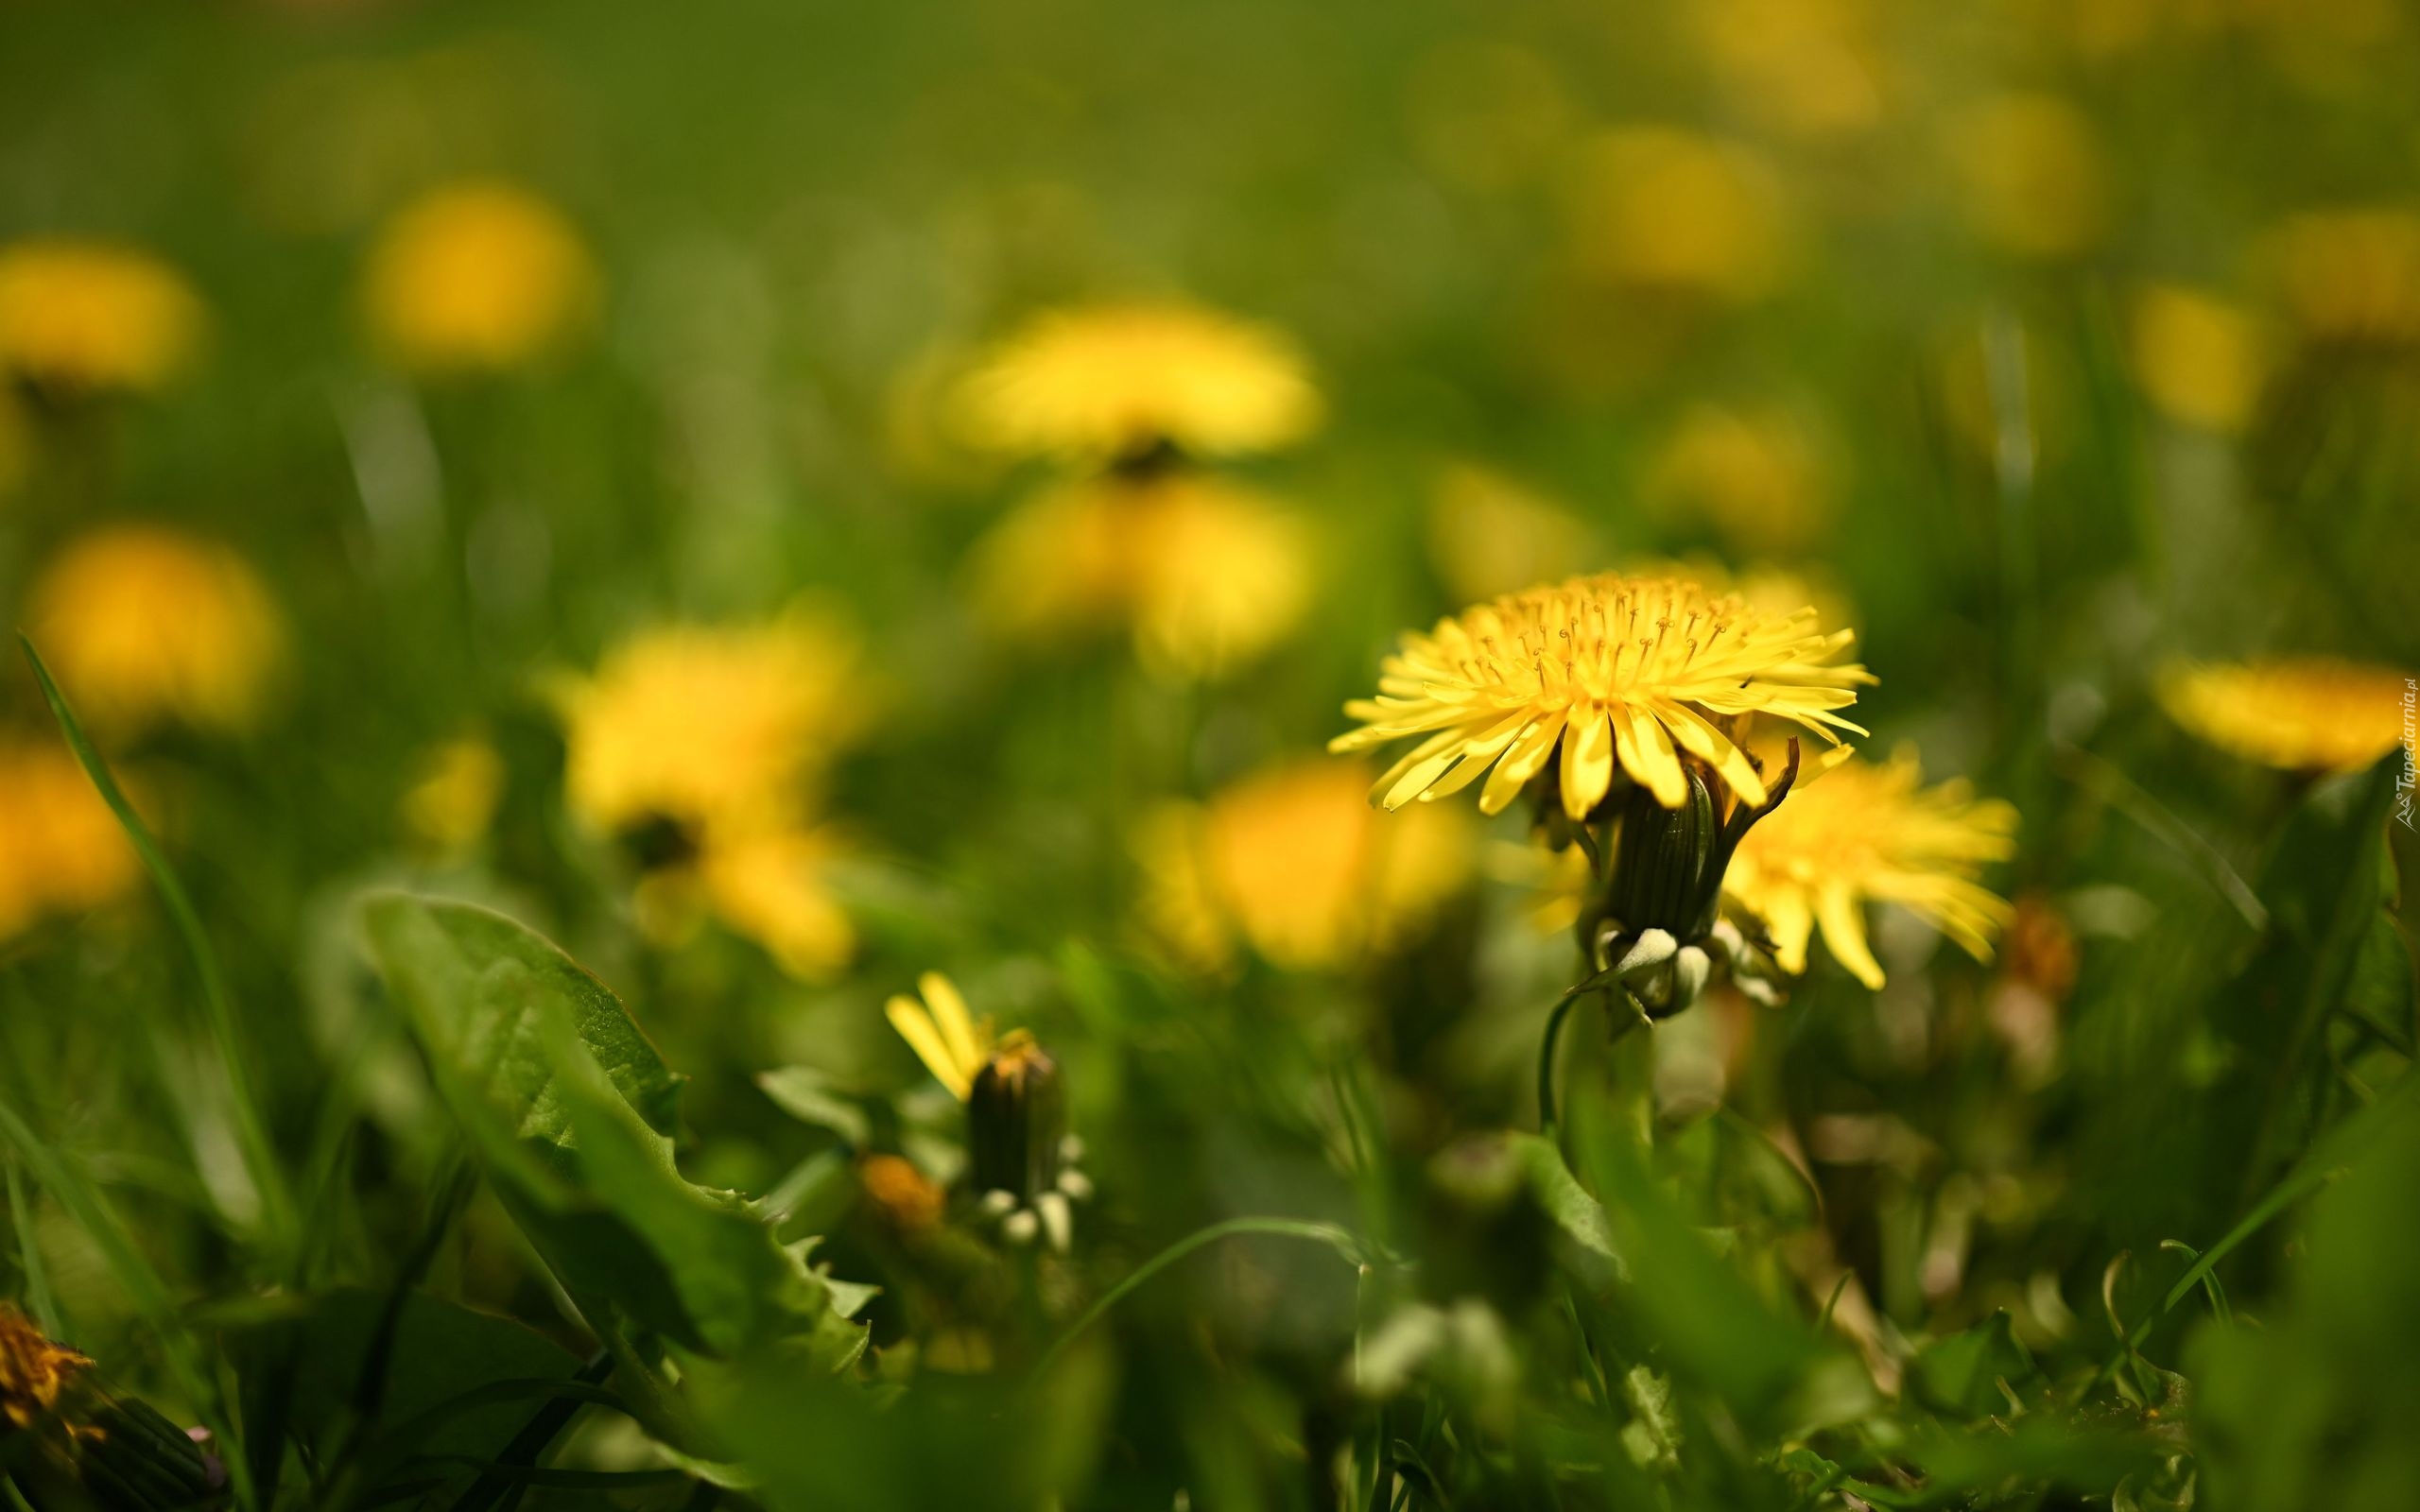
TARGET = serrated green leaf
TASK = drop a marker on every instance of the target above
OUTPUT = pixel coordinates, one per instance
(572, 1112)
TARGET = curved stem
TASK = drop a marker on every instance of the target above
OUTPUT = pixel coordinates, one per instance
(1545, 1061)
(1285, 1228)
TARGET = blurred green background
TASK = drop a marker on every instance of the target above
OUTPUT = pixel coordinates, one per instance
(2047, 343)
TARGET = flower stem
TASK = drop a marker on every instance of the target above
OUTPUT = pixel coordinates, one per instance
(1324, 1233)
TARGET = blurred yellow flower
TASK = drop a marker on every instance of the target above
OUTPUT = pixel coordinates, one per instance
(60, 849)
(1862, 833)
(1205, 574)
(1488, 535)
(949, 1040)
(2302, 713)
(144, 625)
(1616, 674)
(1760, 477)
(454, 793)
(1811, 68)
(477, 276)
(1117, 381)
(86, 317)
(2350, 276)
(2198, 358)
(702, 724)
(771, 884)
(1661, 208)
(2030, 173)
(1296, 863)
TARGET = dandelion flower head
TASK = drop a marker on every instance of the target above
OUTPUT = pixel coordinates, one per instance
(1611, 673)
(1115, 381)
(145, 626)
(2301, 714)
(699, 723)
(474, 277)
(89, 317)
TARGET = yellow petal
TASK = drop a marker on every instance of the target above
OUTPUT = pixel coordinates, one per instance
(916, 1026)
(966, 1043)
(1587, 763)
(1844, 933)
(1715, 748)
(1527, 753)
(1646, 754)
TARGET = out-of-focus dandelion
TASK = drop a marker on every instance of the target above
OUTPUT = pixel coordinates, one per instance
(1761, 478)
(699, 746)
(1810, 68)
(703, 722)
(1101, 383)
(1293, 862)
(1019, 1153)
(772, 882)
(2299, 714)
(145, 626)
(60, 849)
(2030, 175)
(905, 1197)
(2349, 277)
(453, 793)
(1611, 673)
(94, 318)
(1663, 210)
(1488, 535)
(1205, 574)
(1862, 833)
(477, 277)
(2198, 358)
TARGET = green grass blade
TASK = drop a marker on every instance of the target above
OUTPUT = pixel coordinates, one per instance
(30, 1260)
(251, 1127)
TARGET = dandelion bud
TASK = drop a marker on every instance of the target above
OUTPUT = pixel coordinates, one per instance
(1660, 860)
(1015, 1116)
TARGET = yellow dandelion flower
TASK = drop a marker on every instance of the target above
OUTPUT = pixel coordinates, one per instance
(1120, 380)
(699, 723)
(80, 316)
(34, 1372)
(1761, 477)
(953, 1045)
(1862, 833)
(2302, 713)
(452, 797)
(477, 277)
(1295, 862)
(1488, 535)
(144, 625)
(2031, 175)
(772, 886)
(1204, 574)
(60, 849)
(1660, 209)
(2350, 276)
(2198, 358)
(1615, 674)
